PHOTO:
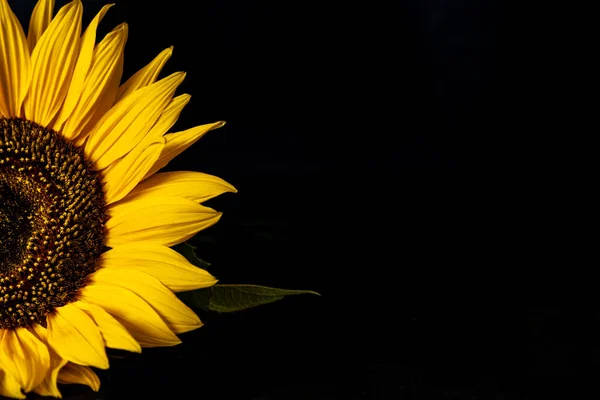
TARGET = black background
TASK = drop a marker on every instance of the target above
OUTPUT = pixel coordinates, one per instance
(403, 162)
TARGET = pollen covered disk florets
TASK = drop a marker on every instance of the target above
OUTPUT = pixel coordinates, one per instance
(52, 216)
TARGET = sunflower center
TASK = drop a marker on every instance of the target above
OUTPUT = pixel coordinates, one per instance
(52, 215)
(14, 226)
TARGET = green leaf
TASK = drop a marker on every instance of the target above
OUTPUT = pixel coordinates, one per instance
(189, 252)
(199, 298)
(229, 298)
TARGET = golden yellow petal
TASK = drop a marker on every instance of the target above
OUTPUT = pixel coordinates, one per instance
(114, 334)
(177, 142)
(9, 386)
(144, 324)
(24, 357)
(47, 389)
(178, 317)
(169, 116)
(107, 61)
(164, 263)
(157, 219)
(49, 386)
(39, 21)
(146, 75)
(107, 56)
(164, 122)
(122, 175)
(75, 337)
(15, 64)
(126, 124)
(79, 374)
(88, 62)
(53, 60)
(105, 103)
(195, 186)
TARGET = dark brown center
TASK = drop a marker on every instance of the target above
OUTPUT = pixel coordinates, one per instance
(52, 216)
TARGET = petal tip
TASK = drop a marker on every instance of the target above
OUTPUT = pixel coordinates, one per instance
(76, 3)
(230, 187)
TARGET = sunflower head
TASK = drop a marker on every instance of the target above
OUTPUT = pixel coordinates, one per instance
(86, 218)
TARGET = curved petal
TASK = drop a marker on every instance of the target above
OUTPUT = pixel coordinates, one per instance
(53, 60)
(195, 186)
(15, 64)
(177, 142)
(9, 386)
(24, 357)
(144, 324)
(84, 61)
(157, 219)
(94, 70)
(114, 334)
(79, 374)
(178, 317)
(147, 75)
(39, 21)
(75, 337)
(169, 116)
(105, 61)
(124, 125)
(49, 385)
(105, 102)
(163, 263)
(122, 175)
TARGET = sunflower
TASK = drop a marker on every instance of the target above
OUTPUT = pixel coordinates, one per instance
(86, 219)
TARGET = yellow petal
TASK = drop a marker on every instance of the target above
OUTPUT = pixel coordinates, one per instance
(144, 324)
(157, 219)
(53, 60)
(15, 65)
(75, 337)
(95, 67)
(24, 357)
(39, 21)
(146, 75)
(122, 175)
(178, 317)
(169, 116)
(79, 374)
(177, 142)
(114, 334)
(194, 186)
(49, 386)
(9, 386)
(105, 101)
(166, 120)
(164, 263)
(126, 124)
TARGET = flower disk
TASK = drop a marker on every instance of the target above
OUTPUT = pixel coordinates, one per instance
(51, 221)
